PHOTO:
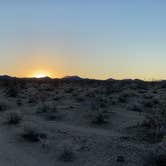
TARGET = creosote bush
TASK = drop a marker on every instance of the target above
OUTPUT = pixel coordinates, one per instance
(155, 124)
(47, 108)
(70, 90)
(13, 118)
(12, 92)
(156, 160)
(100, 118)
(19, 102)
(3, 106)
(53, 116)
(32, 135)
(67, 154)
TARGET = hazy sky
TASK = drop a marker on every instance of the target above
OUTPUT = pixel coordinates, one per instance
(90, 38)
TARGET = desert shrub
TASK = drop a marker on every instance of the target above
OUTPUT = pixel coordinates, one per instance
(57, 98)
(13, 118)
(120, 159)
(155, 160)
(151, 136)
(3, 106)
(100, 118)
(155, 124)
(53, 116)
(122, 99)
(155, 101)
(142, 91)
(49, 112)
(136, 108)
(112, 100)
(70, 90)
(32, 100)
(74, 95)
(67, 154)
(19, 102)
(103, 104)
(12, 92)
(149, 122)
(108, 90)
(160, 160)
(99, 114)
(32, 135)
(148, 104)
(99, 103)
(80, 99)
(90, 95)
(47, 108)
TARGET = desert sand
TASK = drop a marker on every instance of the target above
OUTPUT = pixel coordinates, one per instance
(54, 122)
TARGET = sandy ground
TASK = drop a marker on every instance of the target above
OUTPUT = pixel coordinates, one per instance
(66, 114)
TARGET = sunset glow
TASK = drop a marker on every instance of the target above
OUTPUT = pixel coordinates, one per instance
(41, 74)
(60, 38)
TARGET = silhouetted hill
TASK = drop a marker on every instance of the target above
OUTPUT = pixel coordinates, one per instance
(5, 77)
(72, 78)
(110, 79)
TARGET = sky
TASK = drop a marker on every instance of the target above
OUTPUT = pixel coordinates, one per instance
(90, 38)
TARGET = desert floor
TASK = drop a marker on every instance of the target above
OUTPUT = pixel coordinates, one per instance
(82, 123)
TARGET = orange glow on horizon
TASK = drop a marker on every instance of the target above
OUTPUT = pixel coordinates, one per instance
(41, 74)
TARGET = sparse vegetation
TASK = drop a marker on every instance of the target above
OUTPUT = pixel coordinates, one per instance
(156, 160)
(3, 106)
(70, 90)
(136, 108)
(108, 122)
(122, 99)
(100, 118)
(47, 108)
(12, 92)
(13, 118)
(67, 154)
(32, 135)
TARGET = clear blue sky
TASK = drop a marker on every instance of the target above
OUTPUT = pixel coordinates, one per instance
(90, 38)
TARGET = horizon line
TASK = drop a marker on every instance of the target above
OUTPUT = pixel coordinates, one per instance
(70, 76)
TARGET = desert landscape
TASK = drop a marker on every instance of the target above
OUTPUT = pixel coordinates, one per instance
(82, 122)
(83, 83)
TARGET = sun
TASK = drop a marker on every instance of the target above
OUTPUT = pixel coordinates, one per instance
(40, 75)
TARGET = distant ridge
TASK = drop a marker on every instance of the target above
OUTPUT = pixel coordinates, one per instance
(43, 78)
(110, 79)
(72, 78)
(6, 77)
